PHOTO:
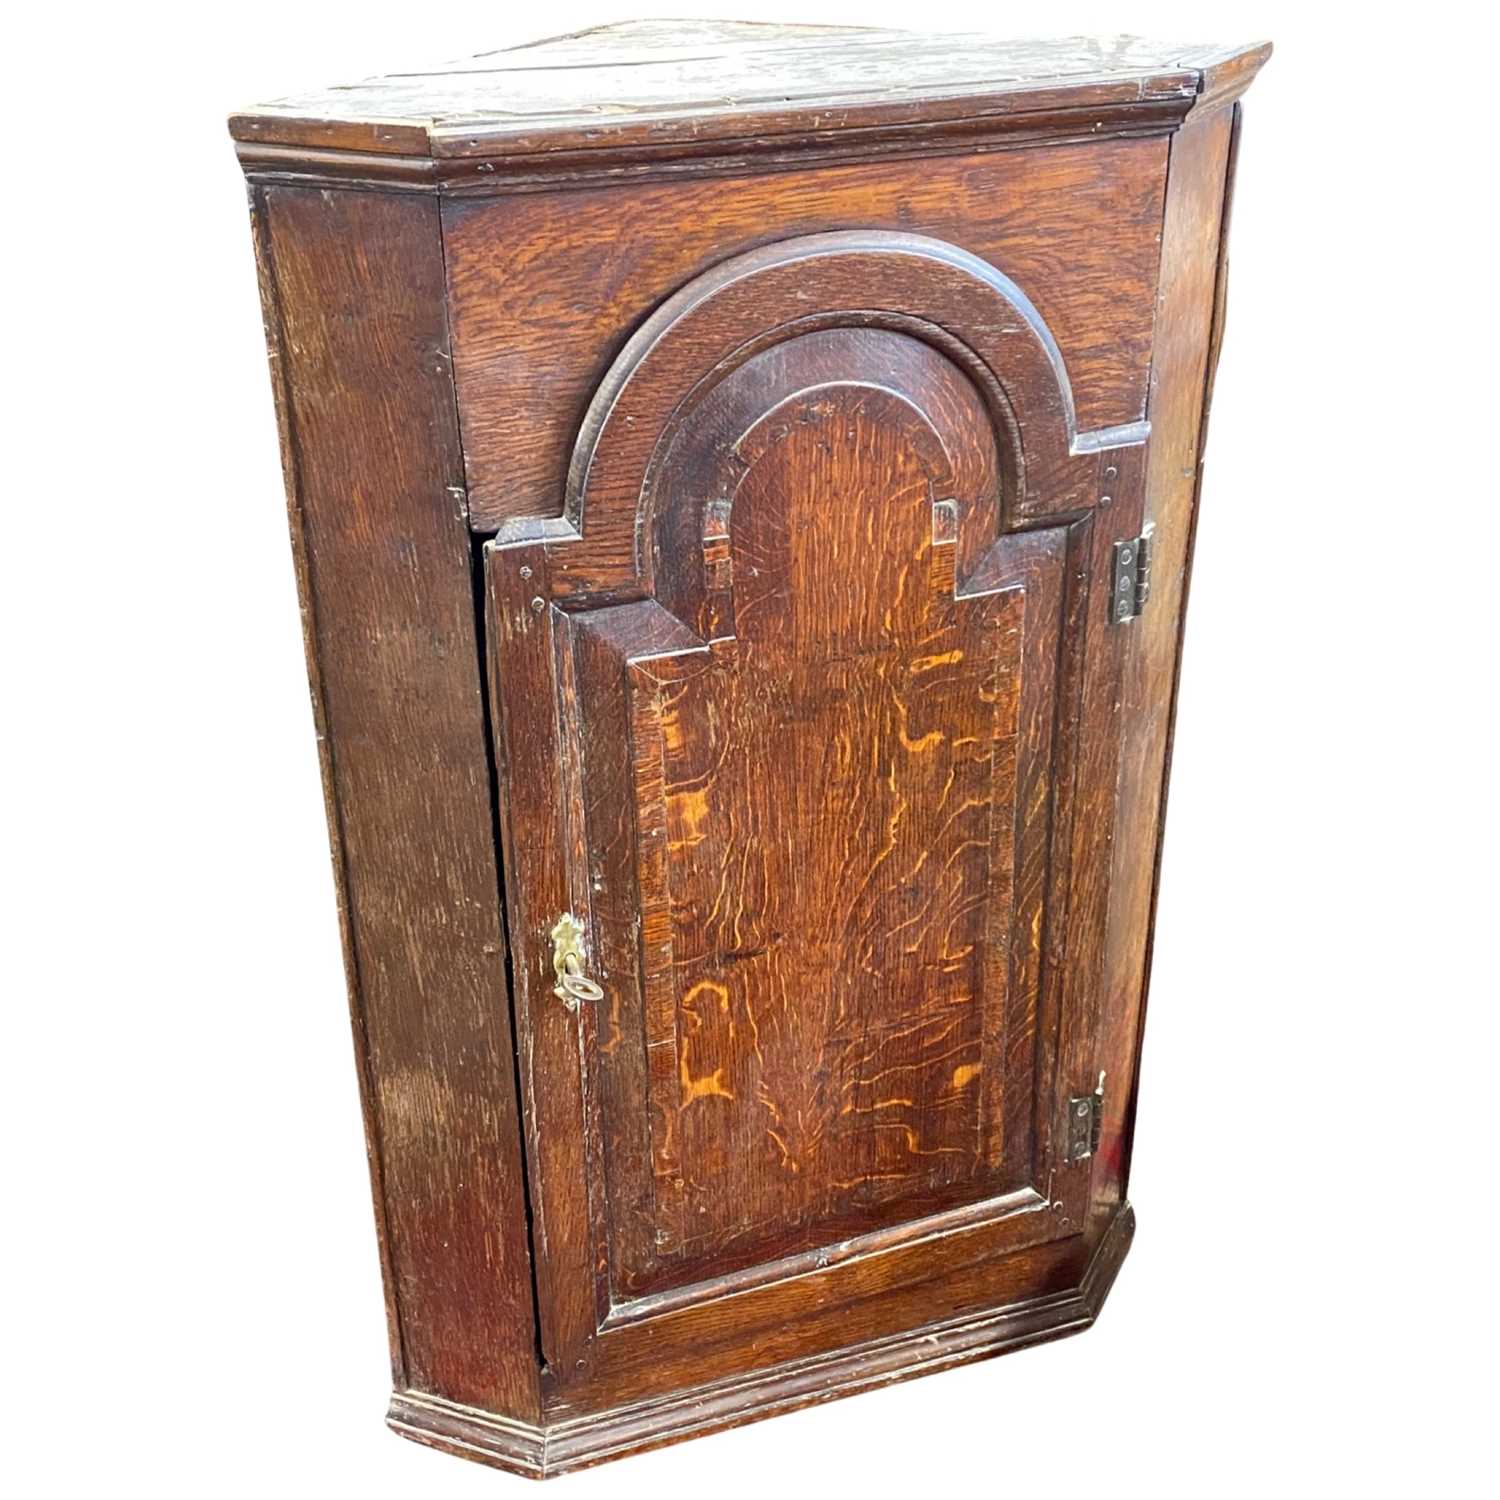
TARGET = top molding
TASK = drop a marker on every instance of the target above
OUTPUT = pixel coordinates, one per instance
(646, 92)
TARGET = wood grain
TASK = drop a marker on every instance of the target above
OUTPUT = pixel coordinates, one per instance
(807, 411)
(1191, 310)
(546, 289)
(1083, 1271)
(661, 83)
(372, 462)
(849, 925)
(809, 702)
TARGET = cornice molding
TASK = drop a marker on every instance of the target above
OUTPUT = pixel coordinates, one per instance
(636, 101)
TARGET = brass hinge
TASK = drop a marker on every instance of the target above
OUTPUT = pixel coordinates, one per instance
(1085, 1118)
(1132, 577)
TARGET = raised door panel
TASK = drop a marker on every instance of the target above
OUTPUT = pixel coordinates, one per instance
(801, 822)
(788, 713)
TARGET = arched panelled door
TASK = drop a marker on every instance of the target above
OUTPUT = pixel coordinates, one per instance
(805, 709)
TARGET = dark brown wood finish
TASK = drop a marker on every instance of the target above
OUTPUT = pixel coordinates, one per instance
(1040, 1294)
(590, 266)
(789, 670)
(783, 622)
(366, 403)
(1194, 264)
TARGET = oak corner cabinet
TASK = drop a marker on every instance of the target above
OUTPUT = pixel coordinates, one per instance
(742, 483)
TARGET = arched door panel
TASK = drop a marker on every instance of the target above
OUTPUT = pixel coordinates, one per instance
(788, 709)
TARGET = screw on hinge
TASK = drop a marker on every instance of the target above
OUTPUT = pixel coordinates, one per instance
(1131, 577)
(1085, 1120)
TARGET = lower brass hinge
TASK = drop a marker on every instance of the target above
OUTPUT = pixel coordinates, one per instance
(1132, 577)
(1085, 1119)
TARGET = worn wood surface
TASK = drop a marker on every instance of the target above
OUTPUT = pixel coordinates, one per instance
(547, 288)
(661, 83)
(1052, 1291)
(373, 477)
(829, 772)
(1193, 267)
(806, 461)
(858, 925)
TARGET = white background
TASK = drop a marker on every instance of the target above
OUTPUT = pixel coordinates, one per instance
(191, 1302)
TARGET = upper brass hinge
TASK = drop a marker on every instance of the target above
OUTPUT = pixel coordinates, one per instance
(1085, 1119)
(1132, 577)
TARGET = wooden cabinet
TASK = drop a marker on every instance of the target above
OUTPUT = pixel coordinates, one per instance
(742, 482)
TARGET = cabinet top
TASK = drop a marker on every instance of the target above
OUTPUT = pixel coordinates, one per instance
(715, 87)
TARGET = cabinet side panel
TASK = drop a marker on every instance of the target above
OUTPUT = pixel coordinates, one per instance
(271, 318)
(1185, 318)
(355, 312)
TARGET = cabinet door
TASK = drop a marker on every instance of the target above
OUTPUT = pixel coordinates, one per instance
(804, 714)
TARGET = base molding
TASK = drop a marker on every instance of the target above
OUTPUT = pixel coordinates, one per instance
(577, 1442)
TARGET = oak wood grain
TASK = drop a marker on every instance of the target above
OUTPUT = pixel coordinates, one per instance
(372, 469)
(857, 926)
(1187, 334)
(806, 412)
(1081, 1271)
(547, 289)
(663, 82)
(828, 760)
